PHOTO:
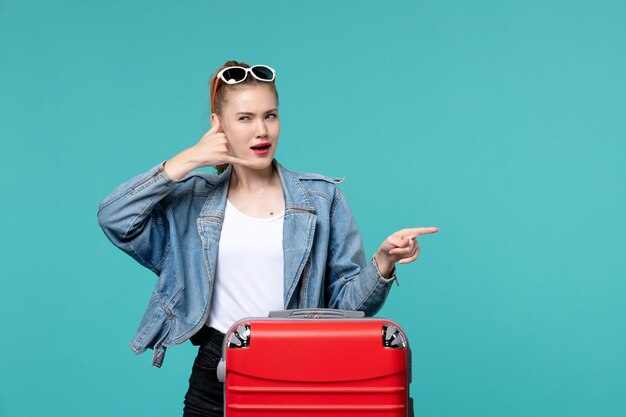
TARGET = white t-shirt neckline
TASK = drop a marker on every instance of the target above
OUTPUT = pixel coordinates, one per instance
(255, 219)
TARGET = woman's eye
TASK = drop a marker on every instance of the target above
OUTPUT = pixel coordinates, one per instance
(272, 115)
(243, 118)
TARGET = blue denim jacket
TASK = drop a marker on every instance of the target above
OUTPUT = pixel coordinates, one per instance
(173, 228)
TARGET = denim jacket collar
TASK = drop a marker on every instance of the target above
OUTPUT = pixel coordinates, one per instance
(298, 227)
(296, 197)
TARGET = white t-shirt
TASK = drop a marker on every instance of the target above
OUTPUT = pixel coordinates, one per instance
(249, 271)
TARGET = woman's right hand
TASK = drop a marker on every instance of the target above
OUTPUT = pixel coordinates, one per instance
(211, 150)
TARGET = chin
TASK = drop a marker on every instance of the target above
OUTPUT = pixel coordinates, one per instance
(264, 163)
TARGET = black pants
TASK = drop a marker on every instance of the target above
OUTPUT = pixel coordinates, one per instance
(205, 396)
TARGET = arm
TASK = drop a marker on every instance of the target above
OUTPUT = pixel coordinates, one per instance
(352, 282)
(133, 218)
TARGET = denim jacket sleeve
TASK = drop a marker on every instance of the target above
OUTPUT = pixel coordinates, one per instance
(134, 220)
(352, 283)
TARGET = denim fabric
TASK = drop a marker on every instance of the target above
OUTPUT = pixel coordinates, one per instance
(205, 396)
(173, 228)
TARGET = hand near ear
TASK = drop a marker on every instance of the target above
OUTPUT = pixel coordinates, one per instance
(211, 150)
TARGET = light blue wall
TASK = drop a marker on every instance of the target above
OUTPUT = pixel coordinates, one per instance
(503, 123)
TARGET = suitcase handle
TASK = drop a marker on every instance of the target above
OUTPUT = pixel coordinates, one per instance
(317, 313)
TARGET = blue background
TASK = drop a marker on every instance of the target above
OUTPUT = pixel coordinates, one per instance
(502, 123)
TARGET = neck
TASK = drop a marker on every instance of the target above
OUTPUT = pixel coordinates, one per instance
(247, 179)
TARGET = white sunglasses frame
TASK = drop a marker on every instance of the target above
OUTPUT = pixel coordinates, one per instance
(220, 74)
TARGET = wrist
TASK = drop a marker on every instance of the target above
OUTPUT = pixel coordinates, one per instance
(385, 265)
(180, 165)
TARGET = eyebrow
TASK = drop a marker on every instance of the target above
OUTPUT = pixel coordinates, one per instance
(252, 114)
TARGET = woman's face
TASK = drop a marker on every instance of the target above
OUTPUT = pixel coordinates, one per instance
(250, 122)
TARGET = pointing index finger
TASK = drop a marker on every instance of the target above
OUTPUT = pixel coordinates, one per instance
(418, 231)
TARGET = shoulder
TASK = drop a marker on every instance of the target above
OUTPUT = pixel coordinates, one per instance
(310, 176)
(320, 186)
(306, 176)
(316, 183)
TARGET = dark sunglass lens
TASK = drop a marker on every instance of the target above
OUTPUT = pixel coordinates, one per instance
(234, 74)
(263, 72)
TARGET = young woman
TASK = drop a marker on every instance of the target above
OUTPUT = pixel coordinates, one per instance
(252, 239)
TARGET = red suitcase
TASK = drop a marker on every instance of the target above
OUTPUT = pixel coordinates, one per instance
(308, 363)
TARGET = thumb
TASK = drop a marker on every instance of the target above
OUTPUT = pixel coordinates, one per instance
(215, 126)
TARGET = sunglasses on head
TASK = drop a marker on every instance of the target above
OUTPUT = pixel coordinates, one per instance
(236, 74)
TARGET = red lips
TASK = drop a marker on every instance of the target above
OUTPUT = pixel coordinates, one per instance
(262, 145)
(262, 148)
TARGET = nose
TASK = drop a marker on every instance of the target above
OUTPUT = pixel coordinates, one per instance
(261, 129)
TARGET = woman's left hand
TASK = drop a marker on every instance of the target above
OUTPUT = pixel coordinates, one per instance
(400, 247)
